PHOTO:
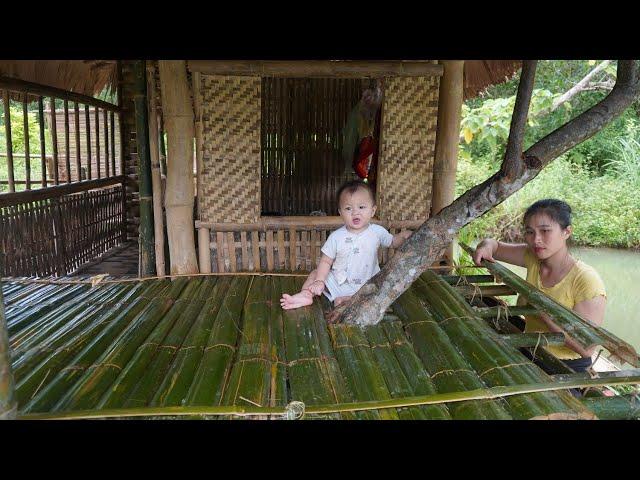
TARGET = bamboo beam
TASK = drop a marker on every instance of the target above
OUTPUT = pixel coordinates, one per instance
(179, 199)
(7, 132)
(544, 339)
(156, 182)
(22, 86)
(493, 312)
(447, 138)
(146, 233)
(317, 68)
(300, 223)
(8, 199)
(8, 403)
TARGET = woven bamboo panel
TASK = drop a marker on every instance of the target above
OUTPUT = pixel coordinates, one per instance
(410, 113)
(230, 176)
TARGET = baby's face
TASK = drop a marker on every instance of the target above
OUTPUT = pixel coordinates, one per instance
(356, 210)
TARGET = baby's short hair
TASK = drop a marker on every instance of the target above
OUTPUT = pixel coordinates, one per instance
(352, 187)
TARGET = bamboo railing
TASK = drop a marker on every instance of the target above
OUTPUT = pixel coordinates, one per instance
(68, 159)
(274, 243)
(74, 211)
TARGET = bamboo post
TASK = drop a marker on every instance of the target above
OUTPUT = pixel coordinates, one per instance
(156, 182)
(54, 140)
(7, 130)
(27, 153)
(76, 113)
(204, 250)
(447, 138)
(163, 150)
(67, 156)
(43, 160)
(8, 404)
(179, 200)
(97, 127)
(88, 132)
(147, 254)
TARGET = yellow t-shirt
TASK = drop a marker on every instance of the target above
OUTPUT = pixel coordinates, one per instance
(581, 283)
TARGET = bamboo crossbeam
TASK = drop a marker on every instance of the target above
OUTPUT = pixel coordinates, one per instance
(32, 89)
(545, 339)
(493, 312)
(486, 290)
(438, 398)
(317, 68)
(9, 199)
(299, 223)
(585, 333)
(459, 280)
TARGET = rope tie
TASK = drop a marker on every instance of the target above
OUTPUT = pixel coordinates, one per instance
(294, 411)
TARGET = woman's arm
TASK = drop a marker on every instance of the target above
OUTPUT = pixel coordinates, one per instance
(399, 238)
(491, 250)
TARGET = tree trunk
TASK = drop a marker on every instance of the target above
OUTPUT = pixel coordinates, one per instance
(178, 118)
(428, 243)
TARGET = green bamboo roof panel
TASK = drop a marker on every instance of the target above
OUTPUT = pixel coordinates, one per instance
(220, 346)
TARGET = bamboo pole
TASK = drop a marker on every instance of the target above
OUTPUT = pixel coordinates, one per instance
(156, 182)
(447, 138)
(67, 153)
(146, 232)
(27, 156)
(8, 402)
(9, 145)
(96, 121)
(54, 140)
(43, 160)
(76, 111)
(204, 250)
(179, 198)
(87, 123)
(620, 407)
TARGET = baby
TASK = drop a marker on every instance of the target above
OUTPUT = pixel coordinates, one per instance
(350, 254)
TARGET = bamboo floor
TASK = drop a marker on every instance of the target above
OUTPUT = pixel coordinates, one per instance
(220, 346)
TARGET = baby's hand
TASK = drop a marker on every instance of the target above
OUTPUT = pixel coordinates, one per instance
(317, 287)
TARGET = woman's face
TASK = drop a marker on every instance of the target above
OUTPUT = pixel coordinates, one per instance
(545, 236)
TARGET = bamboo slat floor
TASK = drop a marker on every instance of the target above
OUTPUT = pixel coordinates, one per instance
(223, 341)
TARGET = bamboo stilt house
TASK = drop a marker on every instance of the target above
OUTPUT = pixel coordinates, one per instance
(260, 146)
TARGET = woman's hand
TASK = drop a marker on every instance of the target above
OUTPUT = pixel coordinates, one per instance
(484, 251)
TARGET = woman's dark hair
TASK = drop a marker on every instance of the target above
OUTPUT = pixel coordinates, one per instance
(352, 187)
(557, 210)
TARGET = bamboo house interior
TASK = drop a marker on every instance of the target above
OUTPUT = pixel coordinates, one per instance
(153, 213)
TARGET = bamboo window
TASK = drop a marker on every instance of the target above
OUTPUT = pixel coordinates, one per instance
(302, 165)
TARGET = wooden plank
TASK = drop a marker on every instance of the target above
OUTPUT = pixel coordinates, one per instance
(245, 254)
(317, 68)
(269, 248)
(292, 249)
(231, 246)
(281, 253)
(255, 248)
(220, 251)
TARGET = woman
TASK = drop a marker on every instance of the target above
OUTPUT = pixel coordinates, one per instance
(552, 269)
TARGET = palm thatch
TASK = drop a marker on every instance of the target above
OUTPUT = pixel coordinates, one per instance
(480, 74)
(86, 77)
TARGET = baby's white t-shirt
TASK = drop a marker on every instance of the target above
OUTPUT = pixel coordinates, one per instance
(355, 258)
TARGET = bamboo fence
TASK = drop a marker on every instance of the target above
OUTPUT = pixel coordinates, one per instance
(218, 346)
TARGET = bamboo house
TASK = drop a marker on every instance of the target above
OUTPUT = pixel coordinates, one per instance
(146, 241)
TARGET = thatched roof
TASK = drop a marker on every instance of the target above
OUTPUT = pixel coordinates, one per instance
(87, 77)
(480, 74)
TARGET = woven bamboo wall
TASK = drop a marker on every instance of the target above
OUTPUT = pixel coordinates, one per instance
(230, 176)
(409, 118)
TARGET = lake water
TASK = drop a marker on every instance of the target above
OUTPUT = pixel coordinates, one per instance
(620, 271)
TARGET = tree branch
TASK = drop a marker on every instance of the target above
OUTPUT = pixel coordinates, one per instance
(428, 243)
